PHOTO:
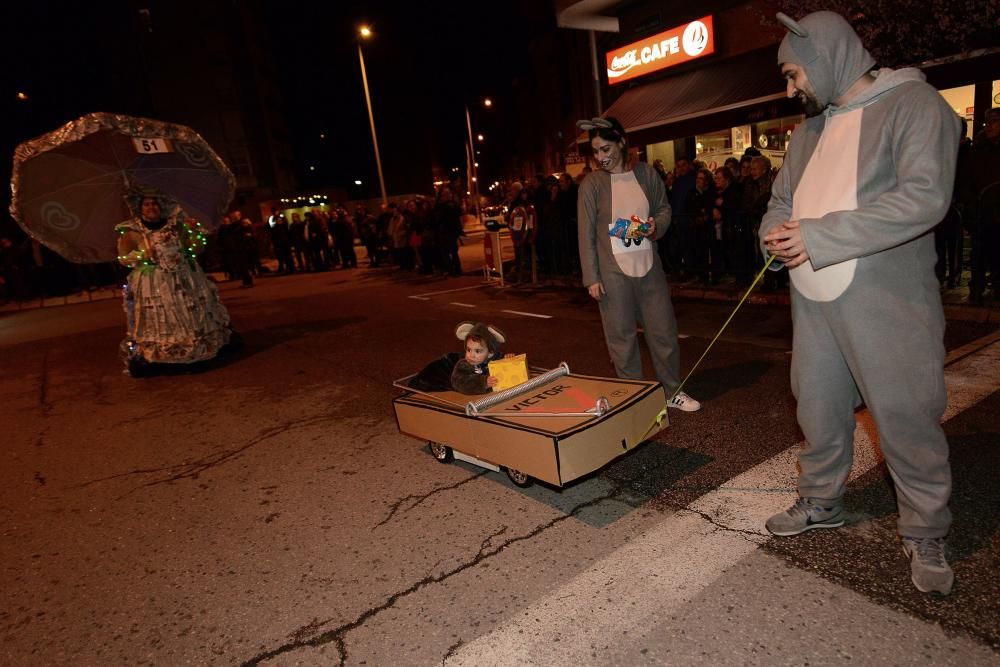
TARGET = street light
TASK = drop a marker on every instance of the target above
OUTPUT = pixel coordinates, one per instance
(472, 159)
(366, 32)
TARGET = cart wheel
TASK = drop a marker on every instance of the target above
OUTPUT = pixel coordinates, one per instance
(519, 478)
(441, 452)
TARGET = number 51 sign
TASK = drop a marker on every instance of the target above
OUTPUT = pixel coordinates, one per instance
(152, 145)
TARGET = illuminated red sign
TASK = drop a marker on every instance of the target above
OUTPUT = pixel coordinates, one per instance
(673, 47)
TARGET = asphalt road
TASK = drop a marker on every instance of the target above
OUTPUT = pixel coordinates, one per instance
(267, 510)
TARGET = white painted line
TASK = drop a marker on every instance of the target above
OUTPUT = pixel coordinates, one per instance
(463, 305)
(626, 593)
(449, 291)
(420, 298)
(518, 312)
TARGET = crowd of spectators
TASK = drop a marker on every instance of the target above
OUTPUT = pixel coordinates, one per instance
(712, 237)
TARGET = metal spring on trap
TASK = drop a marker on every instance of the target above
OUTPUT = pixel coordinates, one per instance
(473, 407)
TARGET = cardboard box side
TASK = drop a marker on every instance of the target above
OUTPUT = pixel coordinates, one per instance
(440, 426)
(522, 450)
(589, 449)
(519, 448)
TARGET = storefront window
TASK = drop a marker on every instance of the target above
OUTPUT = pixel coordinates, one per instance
(663, 151)
(962, 100)
(773, 135)
(714, 147)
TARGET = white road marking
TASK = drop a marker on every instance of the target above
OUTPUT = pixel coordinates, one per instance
(625, 593)
(518, 312)
(449, 291)
(420, 298)
(463, 305)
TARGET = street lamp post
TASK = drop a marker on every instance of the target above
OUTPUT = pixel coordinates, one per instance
(472, 158)
(365, 32)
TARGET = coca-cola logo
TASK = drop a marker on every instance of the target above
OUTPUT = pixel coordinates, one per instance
(626, 61)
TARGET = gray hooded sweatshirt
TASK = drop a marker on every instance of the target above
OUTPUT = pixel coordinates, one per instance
(878, 183)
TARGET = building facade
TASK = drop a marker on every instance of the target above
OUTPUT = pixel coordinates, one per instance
(700, 81)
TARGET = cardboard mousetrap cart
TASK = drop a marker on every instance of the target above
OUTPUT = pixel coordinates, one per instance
(556, 427)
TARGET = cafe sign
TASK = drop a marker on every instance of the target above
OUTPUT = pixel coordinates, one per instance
(673, 47)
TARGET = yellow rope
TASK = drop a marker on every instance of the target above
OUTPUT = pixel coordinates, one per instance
(663, 413)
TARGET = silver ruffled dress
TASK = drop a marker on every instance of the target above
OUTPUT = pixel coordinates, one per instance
(172, 310)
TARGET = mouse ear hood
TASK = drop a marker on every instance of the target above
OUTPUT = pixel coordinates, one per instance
(497, 334)
(826, 46)
(792, 25)
(493, 336)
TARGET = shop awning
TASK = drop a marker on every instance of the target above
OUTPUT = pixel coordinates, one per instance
(741, 82)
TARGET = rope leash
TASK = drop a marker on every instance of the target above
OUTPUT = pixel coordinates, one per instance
(658, 420)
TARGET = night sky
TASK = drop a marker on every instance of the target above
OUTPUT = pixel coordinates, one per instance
(424, 62)
(423, 66)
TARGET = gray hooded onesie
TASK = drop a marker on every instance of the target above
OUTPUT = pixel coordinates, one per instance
(629, 298)
(868, 181)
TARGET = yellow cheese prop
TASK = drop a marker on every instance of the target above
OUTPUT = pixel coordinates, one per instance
(509, 372)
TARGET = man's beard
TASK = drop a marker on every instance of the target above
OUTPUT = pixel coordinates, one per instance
(810, 104)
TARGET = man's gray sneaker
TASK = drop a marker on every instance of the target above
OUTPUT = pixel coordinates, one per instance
(929, 570)
(806, 514)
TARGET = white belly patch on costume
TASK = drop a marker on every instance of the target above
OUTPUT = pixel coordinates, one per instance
(829, 183)
(627, 199)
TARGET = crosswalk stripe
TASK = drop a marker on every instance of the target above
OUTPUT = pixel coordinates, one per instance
(668, 565)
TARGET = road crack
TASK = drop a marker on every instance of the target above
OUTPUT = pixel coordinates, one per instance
(394, 508)
(451, 651)
(192, 469)
(486, 551)
(729, 529)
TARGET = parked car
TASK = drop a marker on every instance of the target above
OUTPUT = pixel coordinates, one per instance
(494, 217)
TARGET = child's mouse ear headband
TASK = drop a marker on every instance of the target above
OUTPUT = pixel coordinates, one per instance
(463, 329)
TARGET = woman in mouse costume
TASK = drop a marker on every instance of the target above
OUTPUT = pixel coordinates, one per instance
(624, 275)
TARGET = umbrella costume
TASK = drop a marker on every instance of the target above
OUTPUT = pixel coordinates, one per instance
(172, 310)
(80, 190)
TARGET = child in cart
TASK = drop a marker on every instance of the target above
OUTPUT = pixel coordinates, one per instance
(482, 344)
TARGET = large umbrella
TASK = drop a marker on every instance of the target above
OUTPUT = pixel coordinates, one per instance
(69, 185)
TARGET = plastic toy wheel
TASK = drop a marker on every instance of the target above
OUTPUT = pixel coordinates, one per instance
(441, 452)
(519, 478)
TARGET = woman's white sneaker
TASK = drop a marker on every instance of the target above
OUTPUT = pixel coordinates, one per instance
(682, 401)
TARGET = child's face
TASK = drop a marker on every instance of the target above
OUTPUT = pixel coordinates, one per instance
(476, 351)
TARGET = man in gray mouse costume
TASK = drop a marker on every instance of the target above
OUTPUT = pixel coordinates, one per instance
(867, 176)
